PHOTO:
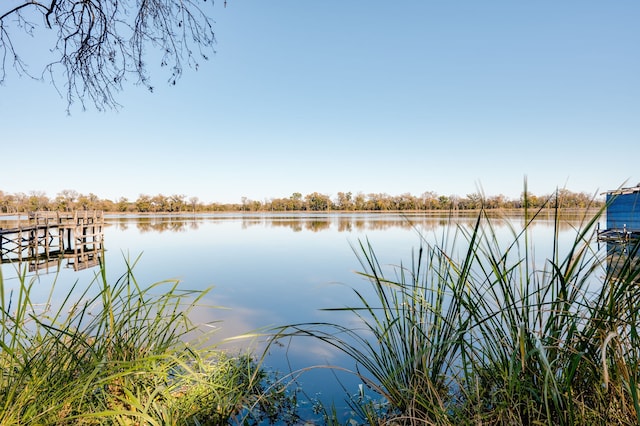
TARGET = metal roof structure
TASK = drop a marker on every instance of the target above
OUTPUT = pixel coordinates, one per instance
(622, 191)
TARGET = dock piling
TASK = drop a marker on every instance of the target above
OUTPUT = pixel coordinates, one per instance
(52, 236)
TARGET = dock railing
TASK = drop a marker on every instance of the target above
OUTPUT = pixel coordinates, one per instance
(47, 237)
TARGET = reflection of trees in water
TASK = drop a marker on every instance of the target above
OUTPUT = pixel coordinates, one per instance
(250, 221)
(158, 224)
(295, 225)
(345, 225)
(318, 225)
(171, 225)
(376, 222)
(348, 222)
(123, 226)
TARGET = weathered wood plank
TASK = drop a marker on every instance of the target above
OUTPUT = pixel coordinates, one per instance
(75, 236)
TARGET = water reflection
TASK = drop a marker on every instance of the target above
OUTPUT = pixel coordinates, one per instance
(623, 260)
(342, 222)
(156, 223)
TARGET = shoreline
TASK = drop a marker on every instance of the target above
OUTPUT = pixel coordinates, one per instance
(434, 212)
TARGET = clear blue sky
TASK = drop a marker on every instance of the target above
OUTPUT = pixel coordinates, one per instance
(362, 96)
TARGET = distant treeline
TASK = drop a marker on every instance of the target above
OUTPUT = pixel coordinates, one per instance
(69, 200)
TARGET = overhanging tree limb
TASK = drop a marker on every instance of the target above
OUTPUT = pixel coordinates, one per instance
(101, 43)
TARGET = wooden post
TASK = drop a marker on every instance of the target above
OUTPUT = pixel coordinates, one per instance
(20, 244)
(60, 234)
(46, 240)
(79, 235)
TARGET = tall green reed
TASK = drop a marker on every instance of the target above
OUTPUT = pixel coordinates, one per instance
(115, 353)
(474, 331)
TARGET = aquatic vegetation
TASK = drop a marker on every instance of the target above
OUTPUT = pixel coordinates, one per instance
(469, 330)
(473, 331)
(115, 353)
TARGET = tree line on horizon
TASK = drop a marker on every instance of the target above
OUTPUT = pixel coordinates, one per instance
(70, 200)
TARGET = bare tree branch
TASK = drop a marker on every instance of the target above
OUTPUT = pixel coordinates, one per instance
(101, 43)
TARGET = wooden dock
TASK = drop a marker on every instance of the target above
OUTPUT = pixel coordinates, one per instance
(46, 238)
(621, 236)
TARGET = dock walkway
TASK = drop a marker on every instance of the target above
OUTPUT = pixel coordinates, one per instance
(618, 235)
(47, 237)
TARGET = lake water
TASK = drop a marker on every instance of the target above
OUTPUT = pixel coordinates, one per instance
(273, 269)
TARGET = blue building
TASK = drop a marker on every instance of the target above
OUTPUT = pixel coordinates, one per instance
(623, 215)
(623, 209)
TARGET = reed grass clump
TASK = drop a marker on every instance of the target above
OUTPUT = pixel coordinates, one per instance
(115, 354)
(475, 331)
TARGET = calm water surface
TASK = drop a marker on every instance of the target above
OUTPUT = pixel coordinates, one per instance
(273, 269)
